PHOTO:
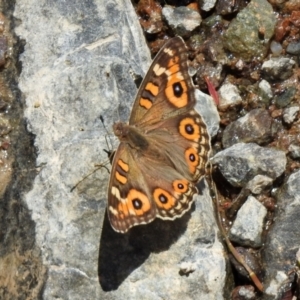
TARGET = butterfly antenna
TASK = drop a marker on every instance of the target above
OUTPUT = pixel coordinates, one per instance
(103, 165)
(97, 167)
(107, 135)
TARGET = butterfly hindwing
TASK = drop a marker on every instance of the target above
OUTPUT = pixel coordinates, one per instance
(129, 203)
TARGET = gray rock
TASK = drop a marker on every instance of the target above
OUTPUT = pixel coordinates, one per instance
(80, 62)
(227, 7)
(282, 244)
(294, 151)
(290, 114)
(229, 95)
(208, 110)
(276, 48)
(259, 183)
(278, 68)
(273, 289)
(265, 89)
(248, 226)
(242, 162)
(182, 20)
(293, 48)
(248, 35)
(207, 5)
(256, 126)
(286, 97)
(245, 292)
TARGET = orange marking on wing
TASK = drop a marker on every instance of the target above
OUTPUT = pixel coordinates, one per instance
(123, 165)
(180, 185)
(122, 179)
(123, 210)
(163, 199)
(194, 134)
(135, 195)
(152, 88)
(173, 69)
(177, 102)
(192, 159)
(146, 103)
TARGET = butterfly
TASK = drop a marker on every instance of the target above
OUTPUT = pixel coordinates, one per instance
(163, 150)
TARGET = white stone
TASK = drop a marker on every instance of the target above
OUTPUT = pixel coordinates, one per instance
(248, 225)
(229, 95)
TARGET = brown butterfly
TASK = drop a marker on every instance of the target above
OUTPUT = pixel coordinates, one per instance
(164, 149)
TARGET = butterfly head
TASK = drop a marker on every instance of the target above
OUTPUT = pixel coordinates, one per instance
(121, 130)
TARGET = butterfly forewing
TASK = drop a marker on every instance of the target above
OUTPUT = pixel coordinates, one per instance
(167, 78)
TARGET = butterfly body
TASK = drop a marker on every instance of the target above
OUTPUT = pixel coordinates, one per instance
(131, 136)
(163, 150)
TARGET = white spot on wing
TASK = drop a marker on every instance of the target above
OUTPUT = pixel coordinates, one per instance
(178, 206)
(113, 211)
(115, 191)
(169, 51)
(158, 70)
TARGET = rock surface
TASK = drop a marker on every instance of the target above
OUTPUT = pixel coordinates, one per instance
(290, 114)
(282, 241)
(256, 127)
(248, 226)
(278, 68)
(229, 95)
(182, 20)
(249, 34)
(241, 162)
